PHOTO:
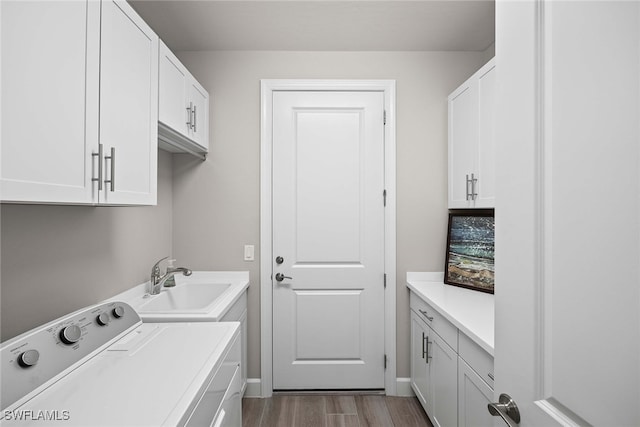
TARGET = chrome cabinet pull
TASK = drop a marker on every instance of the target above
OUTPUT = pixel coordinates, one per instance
(427, 351)
(195, 119)
(189, 112)
(424, 313)
(423, 349)
(112, 180)
(99, 178)
(467, 187)
(474, 181)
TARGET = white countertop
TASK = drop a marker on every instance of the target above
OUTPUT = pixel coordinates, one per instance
(137, 297)
(472, 312)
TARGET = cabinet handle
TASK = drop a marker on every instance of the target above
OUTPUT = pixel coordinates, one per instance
(466, 190)
(490, 375)
(474, 180)
(190, 112)
(423, 350)
(424, 313)
(99, 178)
(195, 119)
(427, 352)
(112, 181)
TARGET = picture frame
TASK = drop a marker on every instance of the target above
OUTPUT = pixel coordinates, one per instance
(469, 261)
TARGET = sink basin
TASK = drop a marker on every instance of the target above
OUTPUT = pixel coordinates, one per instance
(195, 297)
(205, 296)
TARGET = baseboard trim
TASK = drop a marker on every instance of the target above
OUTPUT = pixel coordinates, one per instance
(254, 388)
(403, 387)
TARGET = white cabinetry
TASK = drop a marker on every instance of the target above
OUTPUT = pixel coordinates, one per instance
(475, 384)
(238, 313)
(434, 363)
(183, 108)
(128, 106)
(473, 397)
(451, 375)
(471, 141)
(73, 92)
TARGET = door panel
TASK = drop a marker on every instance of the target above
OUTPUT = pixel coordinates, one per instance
(567, 212)
(129, 104)
(50, 55)
(328, 225)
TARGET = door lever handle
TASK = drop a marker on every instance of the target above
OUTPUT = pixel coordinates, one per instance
(280, 277)
(507, 409)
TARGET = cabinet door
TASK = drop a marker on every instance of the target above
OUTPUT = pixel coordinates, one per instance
(50, 59)
(463, 119)
(128, 105)
(173, 105)
(200, 119)
(473, 396)
(419, 361)
(485, 169)
(443, 382)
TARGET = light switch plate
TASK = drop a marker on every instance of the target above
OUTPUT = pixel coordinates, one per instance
(249, 252)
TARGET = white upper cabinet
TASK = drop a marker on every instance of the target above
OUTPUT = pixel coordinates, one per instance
(50, 60)
(75, 85)
(184, 108)
(471, 141)
(128, 106)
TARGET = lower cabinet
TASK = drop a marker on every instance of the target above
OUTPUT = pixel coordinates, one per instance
(434, 369)
(473, 397)
(445, 373)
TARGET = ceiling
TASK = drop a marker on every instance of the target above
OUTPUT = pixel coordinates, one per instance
(322, 25)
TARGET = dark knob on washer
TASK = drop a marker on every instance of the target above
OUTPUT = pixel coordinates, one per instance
(70, 334)
(118, 312)
(103, 319)
(28, 358)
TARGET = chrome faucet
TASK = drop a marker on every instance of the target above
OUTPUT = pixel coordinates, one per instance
(158, 280)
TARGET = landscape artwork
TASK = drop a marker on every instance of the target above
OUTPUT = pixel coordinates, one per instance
(470, 250)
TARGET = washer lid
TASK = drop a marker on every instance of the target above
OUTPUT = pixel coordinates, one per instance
(150, 377)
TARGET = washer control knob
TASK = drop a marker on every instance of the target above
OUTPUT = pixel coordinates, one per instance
(118, 312)
(28, 358)
(70, 334)
(103, 319)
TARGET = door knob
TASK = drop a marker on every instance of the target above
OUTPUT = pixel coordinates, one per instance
(507, 409)
(280, 277)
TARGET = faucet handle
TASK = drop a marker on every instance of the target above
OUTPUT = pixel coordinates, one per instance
(155, 270)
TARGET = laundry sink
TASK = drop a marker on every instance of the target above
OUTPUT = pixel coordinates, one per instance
(205, 296)
(195, 297)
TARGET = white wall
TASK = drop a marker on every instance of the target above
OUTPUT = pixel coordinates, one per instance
(58, 259)
(216, 203)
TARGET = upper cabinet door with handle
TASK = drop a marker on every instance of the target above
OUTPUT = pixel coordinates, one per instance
(471, 141)
(174, 109)
(200, 119)
(50, 60)
(183, 121)
(128, 106)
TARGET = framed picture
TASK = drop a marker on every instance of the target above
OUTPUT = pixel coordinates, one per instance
(470, 250)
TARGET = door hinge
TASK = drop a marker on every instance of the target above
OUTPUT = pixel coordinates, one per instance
(384, 197)
(384, 117)
(385, 361)
(385, 280)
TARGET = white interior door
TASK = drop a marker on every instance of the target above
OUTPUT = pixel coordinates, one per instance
(567, 345)
(328, 227)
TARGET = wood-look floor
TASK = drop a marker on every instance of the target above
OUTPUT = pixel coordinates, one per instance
(333, 411)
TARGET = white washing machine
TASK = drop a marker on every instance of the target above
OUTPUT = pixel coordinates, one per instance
(101, 366)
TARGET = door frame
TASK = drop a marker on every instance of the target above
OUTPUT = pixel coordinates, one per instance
(267, 88)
